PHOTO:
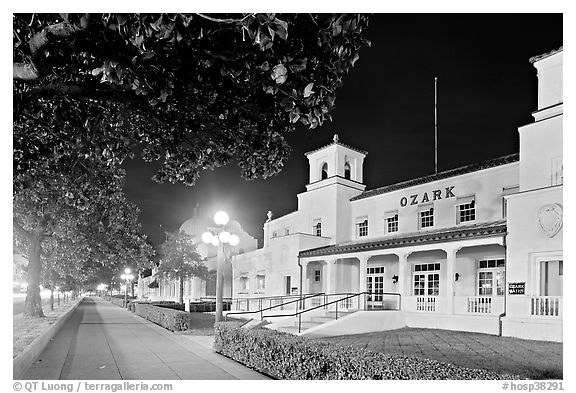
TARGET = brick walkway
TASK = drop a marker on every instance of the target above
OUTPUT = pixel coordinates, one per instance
(527, 358)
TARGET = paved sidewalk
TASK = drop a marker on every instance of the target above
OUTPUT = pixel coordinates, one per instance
(104, 341)
(527, 358)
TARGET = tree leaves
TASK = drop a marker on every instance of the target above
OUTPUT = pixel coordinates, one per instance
(181, 82)
(279, 74)
(308, 90)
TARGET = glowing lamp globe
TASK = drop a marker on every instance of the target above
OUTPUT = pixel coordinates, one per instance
(207, 237)
(224, 237)
(214, 240)
(127, 270)
(234, 240)
(221, 218)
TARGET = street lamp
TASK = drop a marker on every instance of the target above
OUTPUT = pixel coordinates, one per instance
(127, 276)
(219, 236)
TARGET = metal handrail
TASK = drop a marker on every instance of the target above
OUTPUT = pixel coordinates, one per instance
(261, 310)
(263, 299)
(299, 313)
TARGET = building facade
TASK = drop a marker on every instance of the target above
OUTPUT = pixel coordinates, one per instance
(476, 248)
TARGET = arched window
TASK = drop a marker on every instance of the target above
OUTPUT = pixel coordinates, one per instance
(347, 171)
(324, 172)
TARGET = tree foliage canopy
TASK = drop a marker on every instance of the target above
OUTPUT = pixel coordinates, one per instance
(179, 258)
(197, 91)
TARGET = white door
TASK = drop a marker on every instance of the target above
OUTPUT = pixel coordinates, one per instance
(375, 286)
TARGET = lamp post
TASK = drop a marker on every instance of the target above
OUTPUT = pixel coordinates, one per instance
(127, 276)
(219, 236)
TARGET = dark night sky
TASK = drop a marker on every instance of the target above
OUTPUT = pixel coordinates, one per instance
(486, 89)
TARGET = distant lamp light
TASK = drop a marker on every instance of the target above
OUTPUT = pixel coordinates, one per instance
(214, 240)
(234, 240)
(456, 276)
(394, 279)
(221, 218)
(207, 237)
(224, 237)
(127, 270)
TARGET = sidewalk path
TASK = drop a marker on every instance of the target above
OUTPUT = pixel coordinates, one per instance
(104, 341)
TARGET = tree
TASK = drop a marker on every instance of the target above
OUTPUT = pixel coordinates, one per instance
(197, 91)
(191, 91)
(72, 216)
(180, 261)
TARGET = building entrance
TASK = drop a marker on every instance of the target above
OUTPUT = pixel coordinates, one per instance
(551, 273)
(375, 286)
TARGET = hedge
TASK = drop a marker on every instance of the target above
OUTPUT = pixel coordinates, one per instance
(194, 306)
(165, 317)
(284, 356)
(119, 301)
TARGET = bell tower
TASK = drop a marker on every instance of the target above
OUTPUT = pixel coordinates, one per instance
(335, 161)
(335, 176)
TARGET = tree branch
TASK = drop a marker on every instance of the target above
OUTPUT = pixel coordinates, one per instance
(21, 229)
(219, 20)
(25, 71)
(37, 43)
(41, 39)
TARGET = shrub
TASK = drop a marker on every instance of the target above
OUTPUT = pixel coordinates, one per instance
(174, 320)
(119, 301)
(285, 356)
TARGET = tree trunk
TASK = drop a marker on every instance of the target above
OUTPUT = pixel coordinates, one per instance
(33, 302)
(181, 291)
(52, 298)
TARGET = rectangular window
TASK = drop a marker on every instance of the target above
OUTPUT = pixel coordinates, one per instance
(362, 226)
(317, 275)
(560, 268)
(260, 282)
(317, 227)
(491, 277)
(287, 284)
(465, 209)
(286, 231)
(275, 234)
(426, 217)
(244, 284)
(391, 222)
(419, 284)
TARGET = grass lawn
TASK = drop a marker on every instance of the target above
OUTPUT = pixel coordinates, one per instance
(203, 324)
(26, 329)
(527, 358)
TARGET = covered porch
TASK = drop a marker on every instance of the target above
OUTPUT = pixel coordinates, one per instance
(456, 272)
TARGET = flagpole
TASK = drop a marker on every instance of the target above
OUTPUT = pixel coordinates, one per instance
(435, 125)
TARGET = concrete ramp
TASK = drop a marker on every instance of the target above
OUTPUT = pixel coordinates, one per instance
(359, 322)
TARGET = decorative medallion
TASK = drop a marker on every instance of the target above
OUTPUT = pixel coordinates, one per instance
(550, 219)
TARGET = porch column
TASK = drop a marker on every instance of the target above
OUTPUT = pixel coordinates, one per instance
(362, 272)
(403, 274)
(450, 270)
(329, 280)
(304, 279)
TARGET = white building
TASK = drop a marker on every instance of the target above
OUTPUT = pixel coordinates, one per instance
(476, 248)
(196, 289)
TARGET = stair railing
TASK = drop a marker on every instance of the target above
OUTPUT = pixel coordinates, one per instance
(350, 296)
(261, 310)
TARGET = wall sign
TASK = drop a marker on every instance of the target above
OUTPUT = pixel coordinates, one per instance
(516, 288)
(433, 196)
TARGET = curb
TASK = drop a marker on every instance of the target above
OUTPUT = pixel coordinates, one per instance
(24, 360)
